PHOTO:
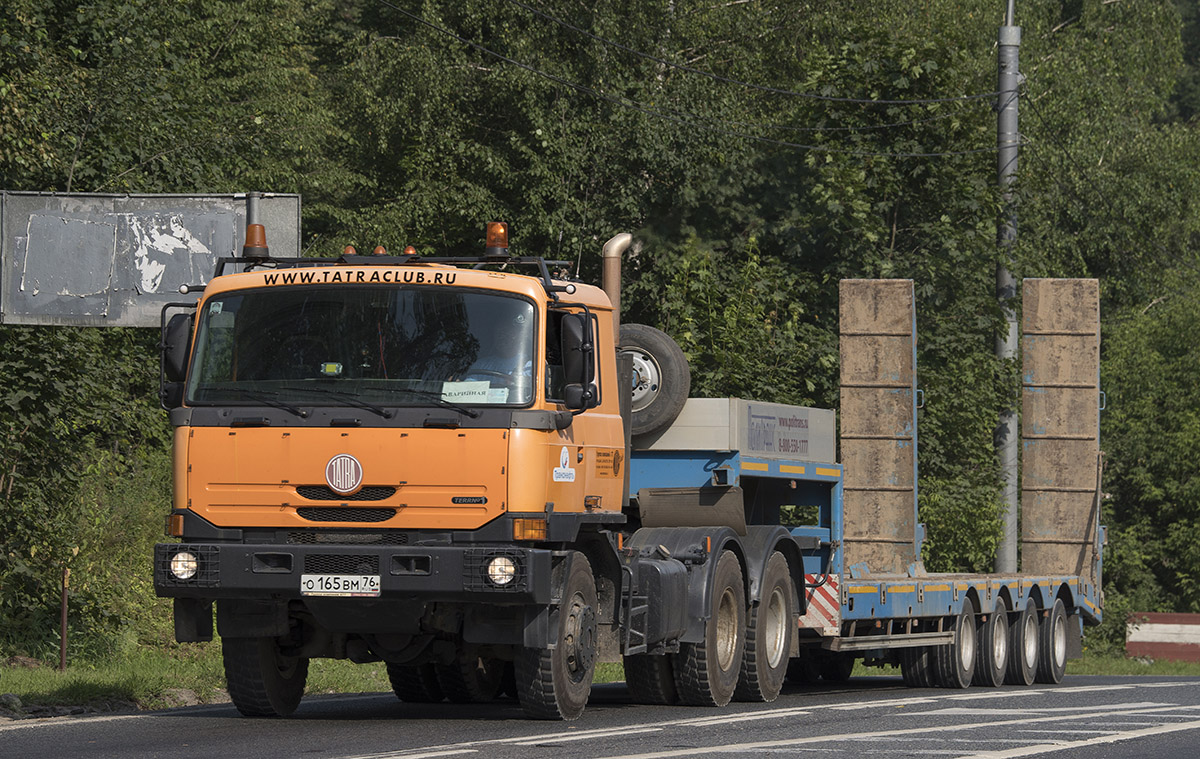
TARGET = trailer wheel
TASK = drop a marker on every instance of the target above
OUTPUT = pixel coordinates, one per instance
(706, 673)
(956, 662)
(650, 680)
(1052, 658)
(993, 649)
(415, 685)
(661, 378)
(1023, 647)
(470, 678)
(768, 635)
(917, 665)
(262, 682)
(556, 683)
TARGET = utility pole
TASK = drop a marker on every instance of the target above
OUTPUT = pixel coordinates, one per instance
(1007, 140)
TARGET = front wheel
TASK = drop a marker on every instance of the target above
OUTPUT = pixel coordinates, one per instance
(706, 673)
(262, 681)
(555, 684)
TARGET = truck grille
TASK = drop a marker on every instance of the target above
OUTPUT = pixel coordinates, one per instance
(333, 514)
(336, 564)
(322, 493)
(387, 538)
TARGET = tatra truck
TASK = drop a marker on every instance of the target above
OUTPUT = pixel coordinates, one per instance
(467, 469)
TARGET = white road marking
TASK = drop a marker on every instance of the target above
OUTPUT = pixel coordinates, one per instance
(741, 748)
(1064, 710)
(1114, 738)
(25, 724)
(569, 738)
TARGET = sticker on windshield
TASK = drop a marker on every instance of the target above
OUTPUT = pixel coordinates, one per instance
(472, 391)
(563, 472)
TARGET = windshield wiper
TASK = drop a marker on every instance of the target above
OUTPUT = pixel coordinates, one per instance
(350, 398)
(440, 401)
(269, 398)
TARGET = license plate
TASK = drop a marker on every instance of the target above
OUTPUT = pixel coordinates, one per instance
(339, 585)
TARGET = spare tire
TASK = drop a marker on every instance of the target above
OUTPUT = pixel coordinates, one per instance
(661, 378)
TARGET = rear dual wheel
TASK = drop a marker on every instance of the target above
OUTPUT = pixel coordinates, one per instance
(917, 666)
(992, 665)
(1052, 640)
(768, 635)
(470, 678)
(415, 684)
(706, 673)
(954, 665)
(1023, 646)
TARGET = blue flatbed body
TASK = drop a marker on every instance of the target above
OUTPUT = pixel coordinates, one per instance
(844, 598)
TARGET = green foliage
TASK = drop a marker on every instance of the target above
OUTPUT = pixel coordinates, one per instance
(1152, 424)
(748, 206)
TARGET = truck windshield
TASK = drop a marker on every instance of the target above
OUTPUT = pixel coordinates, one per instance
(393, 346)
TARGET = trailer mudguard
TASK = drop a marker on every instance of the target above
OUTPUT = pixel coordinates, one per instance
(696, 548)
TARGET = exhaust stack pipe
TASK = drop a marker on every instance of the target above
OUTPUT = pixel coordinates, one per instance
(610, 278)
(255, 246)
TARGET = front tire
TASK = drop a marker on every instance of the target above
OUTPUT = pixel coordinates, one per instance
(769, 630)
(706, 673)
(556, 683)
(262, 681)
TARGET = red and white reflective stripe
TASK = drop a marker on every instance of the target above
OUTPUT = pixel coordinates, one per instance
(824, 610)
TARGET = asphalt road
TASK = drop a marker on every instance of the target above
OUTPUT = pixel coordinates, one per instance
(1093, 717)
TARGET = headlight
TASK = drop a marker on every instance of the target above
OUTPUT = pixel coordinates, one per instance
(184, 565)
(501, 570)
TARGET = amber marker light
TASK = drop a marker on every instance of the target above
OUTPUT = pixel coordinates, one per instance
(410, 250)
(175, 525)
(349, 251)
(379, 251)
(529, 529)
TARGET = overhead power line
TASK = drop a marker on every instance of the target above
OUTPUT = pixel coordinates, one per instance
(665, 116)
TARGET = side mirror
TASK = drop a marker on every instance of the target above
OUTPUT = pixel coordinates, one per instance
(171, 395)
(578, 356)
(177, 343)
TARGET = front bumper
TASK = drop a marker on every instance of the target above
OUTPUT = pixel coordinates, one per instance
(425, 573)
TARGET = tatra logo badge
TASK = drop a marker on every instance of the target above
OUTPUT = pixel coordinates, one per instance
(343, 474)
